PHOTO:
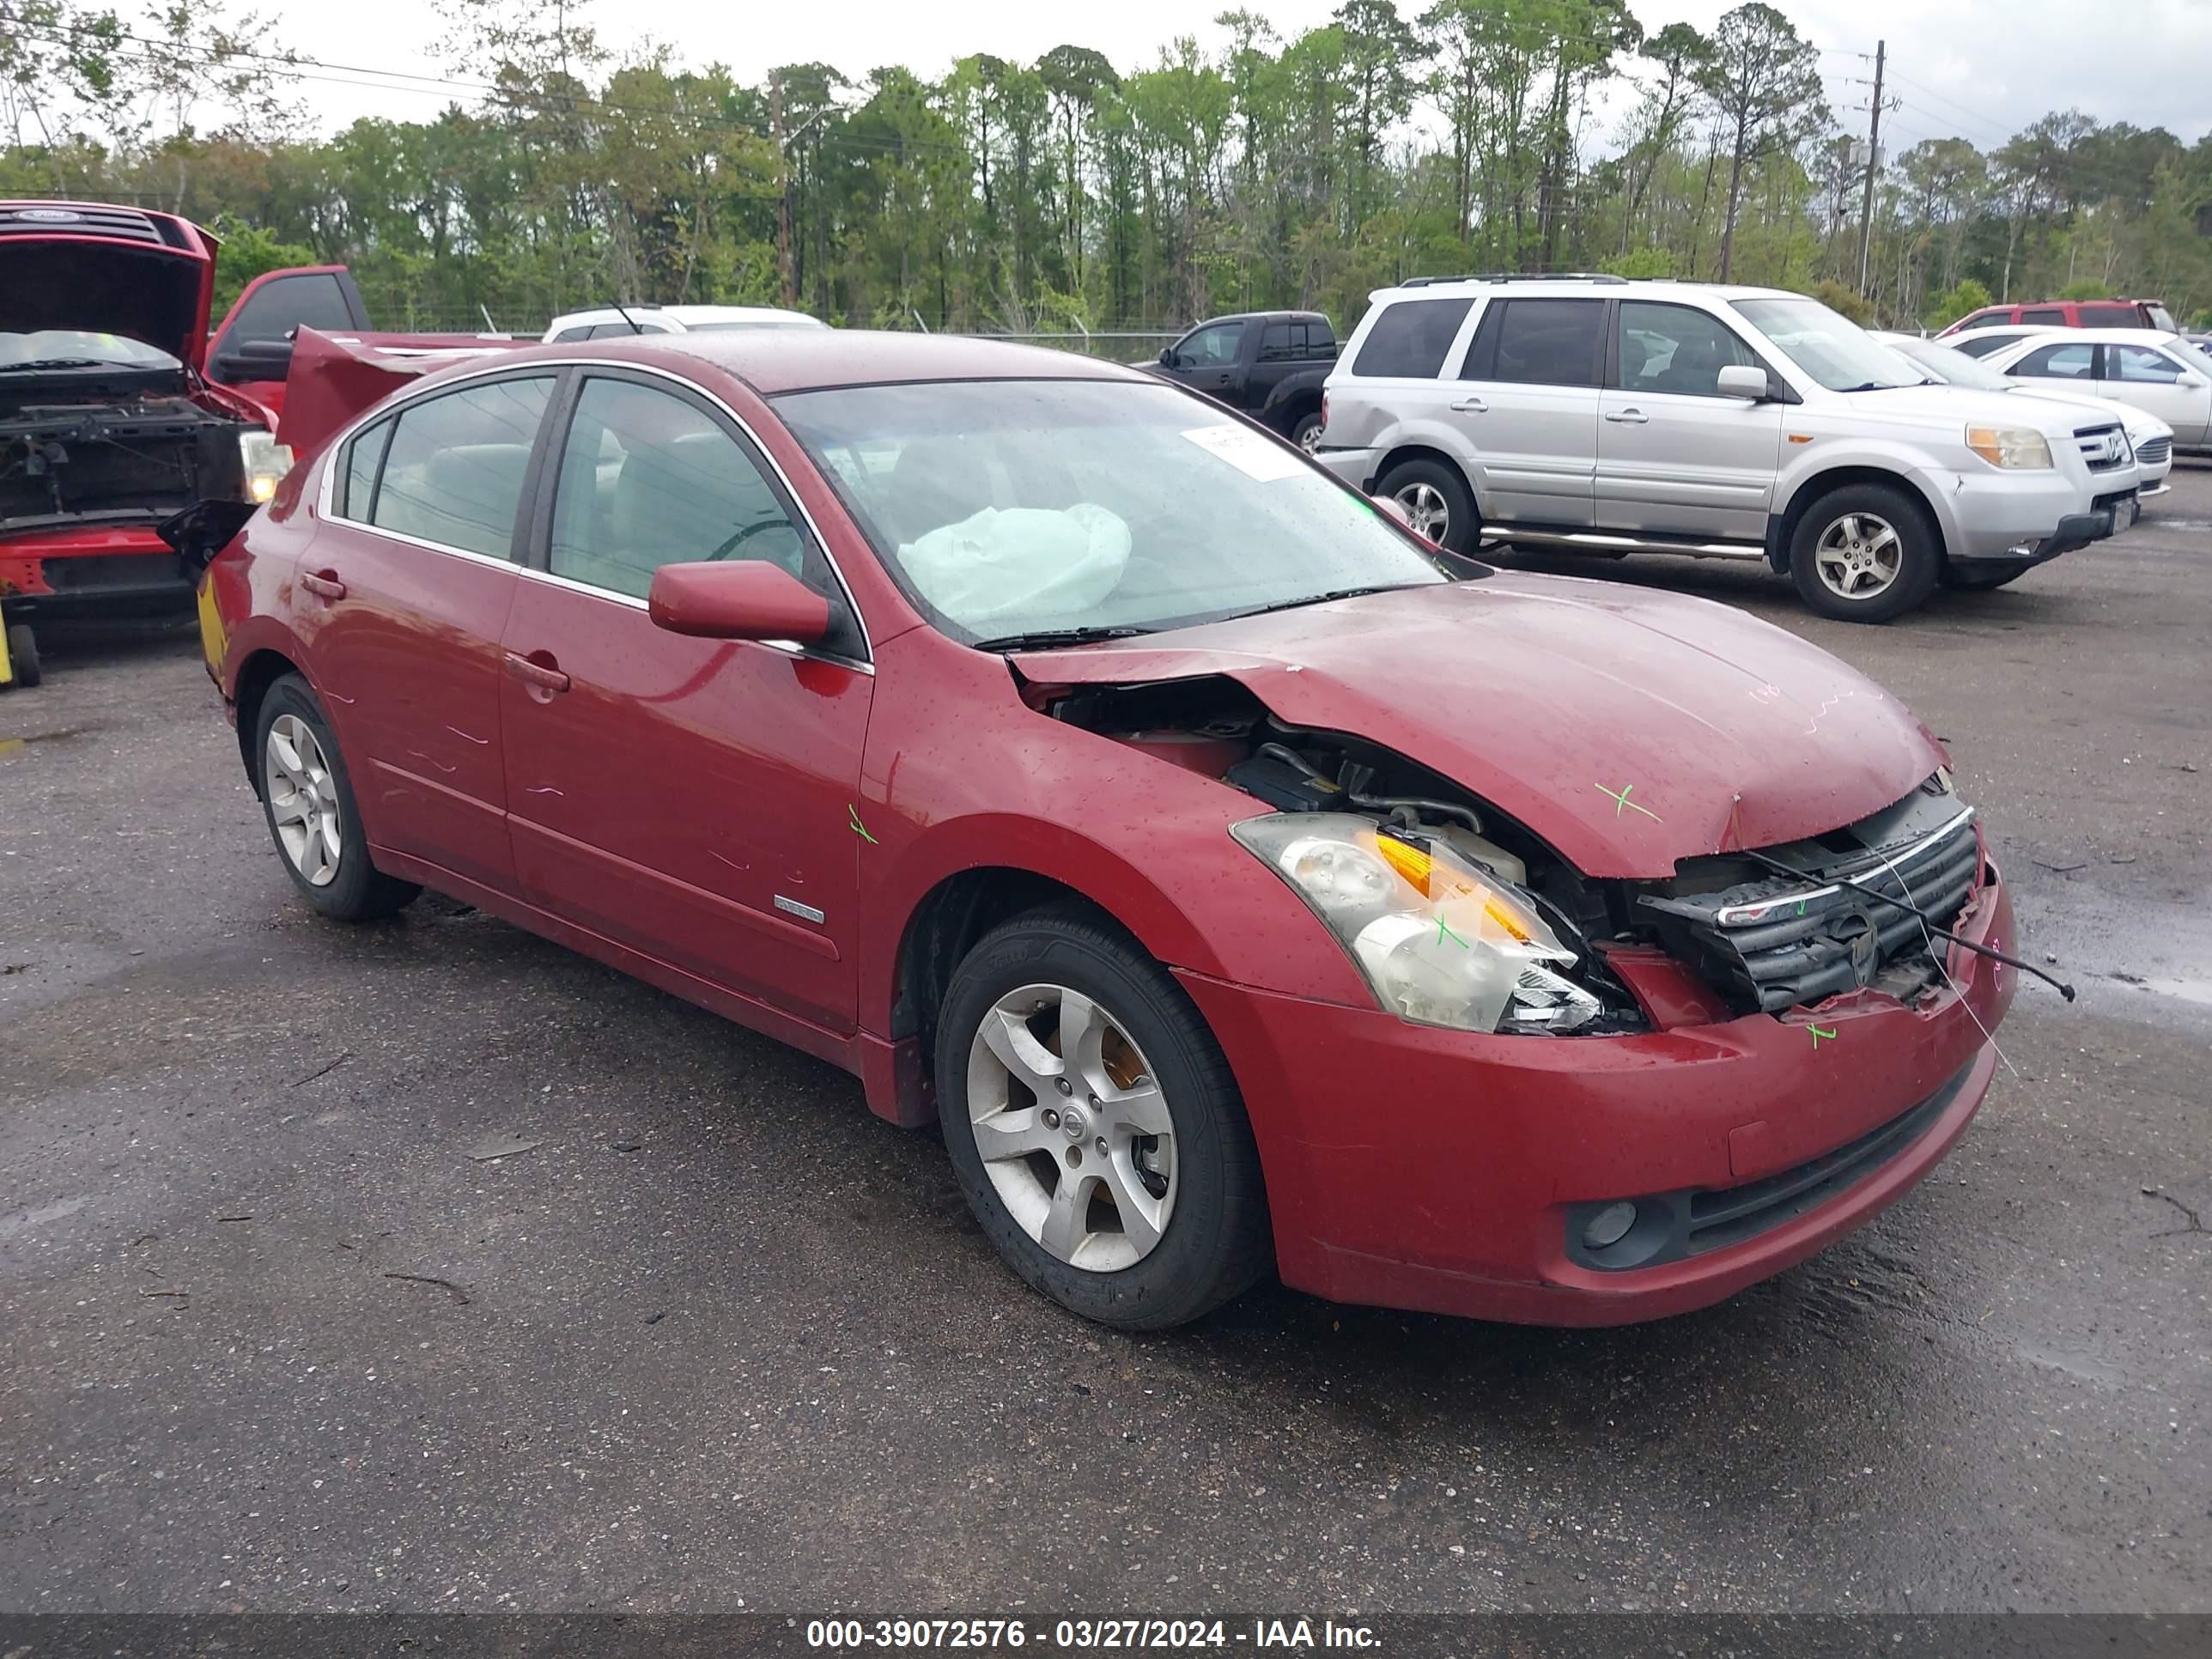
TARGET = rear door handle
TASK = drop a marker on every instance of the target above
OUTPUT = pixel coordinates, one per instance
(1627, 416)
(538, 676)
(1470, 406)
(323, 584)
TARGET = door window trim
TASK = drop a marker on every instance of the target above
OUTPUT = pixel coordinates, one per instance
(565, 368)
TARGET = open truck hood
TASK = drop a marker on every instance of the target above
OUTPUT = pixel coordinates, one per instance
(1629, 729)
(147, 276)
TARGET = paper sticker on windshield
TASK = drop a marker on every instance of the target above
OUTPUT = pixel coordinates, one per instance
(1248, 452)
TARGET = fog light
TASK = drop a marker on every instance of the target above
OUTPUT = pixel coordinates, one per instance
(1608, 1226)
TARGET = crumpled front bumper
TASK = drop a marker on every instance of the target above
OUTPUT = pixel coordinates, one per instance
(1411, 1167)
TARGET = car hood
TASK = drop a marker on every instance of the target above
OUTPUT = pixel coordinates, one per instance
(62, 274)
(1949, 407)
(2135, 420)
(1630, 729)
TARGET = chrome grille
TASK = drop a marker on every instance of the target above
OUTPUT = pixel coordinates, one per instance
(2105, 448)
(2155, 452)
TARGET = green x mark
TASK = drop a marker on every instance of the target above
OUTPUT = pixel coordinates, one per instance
(1818, 1033)
(1444, 933)
(1621, 802)
(861, 829)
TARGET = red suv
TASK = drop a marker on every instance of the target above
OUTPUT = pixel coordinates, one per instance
(1240, 880)
(2071, 314)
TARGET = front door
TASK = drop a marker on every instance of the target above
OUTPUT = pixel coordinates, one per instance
(1205, 358)
(690, 799)
(1676, 458)
(403, 597)
(1528, 402)
(2157, 381)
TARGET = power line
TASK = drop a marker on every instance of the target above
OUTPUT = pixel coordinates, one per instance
(1966, 112)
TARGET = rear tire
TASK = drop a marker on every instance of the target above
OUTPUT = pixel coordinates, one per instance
(1124, 1186)
(1305, 431)
(309, 803)
(23, 654)
(1865, 553)
(1437, 500)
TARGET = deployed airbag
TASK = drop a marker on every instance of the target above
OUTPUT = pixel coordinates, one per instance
(1000, 568)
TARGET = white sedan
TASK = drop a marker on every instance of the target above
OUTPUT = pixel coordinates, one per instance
(2149, 437)
(2161, 374)
(614, 322)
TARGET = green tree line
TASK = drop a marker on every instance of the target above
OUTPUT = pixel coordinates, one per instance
(1070, 193)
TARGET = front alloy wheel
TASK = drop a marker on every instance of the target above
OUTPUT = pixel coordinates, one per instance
(1859, 557)
(1072, 1128)
(1866, 553)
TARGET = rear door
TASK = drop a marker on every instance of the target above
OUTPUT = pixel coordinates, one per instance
(1528, 399)
(403, 597)
(2157, 381)
(252, 351)
(1674, 457)
(686, 798)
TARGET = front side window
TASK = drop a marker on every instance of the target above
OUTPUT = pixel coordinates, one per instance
(1409, 339)
(2074, 361)
(1209, 348)
(1833, 349)
(648, 478)
(454, 469)
(272, 312)
(2143, 365)
(1992, 318)
(1667, 348)
(1012, 508)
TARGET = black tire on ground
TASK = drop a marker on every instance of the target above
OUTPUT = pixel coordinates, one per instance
(1305, 431)
(1971, 582)
(1216, 1242)
(23, 654)
(1920, 557)
(1446, 485)
(358, 890)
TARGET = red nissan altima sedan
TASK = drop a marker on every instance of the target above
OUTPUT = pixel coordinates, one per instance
(1240, 882)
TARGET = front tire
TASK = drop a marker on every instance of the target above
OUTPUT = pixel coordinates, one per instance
(1437, 502)
(1094, 1125)
(309, 802)
(1865, 553)
(23, 654)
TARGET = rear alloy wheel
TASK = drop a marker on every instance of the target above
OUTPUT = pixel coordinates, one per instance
(1436, 500)
(310, 807)
(1094, 1125)
(1864, 553)
(1306, 430)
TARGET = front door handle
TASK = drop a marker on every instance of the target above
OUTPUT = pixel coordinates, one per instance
(323, 584)
(1470, 406)
(538, 676)
(1627, 416)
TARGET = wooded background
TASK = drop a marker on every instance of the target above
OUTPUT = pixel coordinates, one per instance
(1070, 193)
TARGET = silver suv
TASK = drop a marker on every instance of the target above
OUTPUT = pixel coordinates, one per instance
(1613, 417)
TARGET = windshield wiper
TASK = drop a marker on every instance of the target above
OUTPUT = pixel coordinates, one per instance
(58, 363)
(1334, 594)
(1046, 638)
(1886, 385)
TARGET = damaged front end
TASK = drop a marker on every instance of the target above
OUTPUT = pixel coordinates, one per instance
(1460, 915)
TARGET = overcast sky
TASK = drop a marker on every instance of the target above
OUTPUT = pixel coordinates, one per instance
(1978, 69)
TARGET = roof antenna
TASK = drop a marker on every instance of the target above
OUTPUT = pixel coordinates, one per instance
(625, 316)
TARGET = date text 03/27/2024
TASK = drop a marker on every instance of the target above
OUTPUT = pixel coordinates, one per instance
(1087, 1633)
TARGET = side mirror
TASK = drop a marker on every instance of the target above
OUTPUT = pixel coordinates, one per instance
(746, 599)
(1391, 507)
(2190, 382)
(1745, 381)
(1167, 357)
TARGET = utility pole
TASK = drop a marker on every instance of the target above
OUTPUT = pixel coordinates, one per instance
(782, 195)
(1873, 161)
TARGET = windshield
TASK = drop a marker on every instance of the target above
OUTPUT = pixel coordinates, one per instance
(69, 345)
(1953, 367)
(1832, 349)
(1011, 507)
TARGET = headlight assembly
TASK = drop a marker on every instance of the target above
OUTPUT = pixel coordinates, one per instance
(2011, 447)
(1440, 940)
(266, 461)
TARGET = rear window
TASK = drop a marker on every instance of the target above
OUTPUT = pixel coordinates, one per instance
(1410, 338)
(2109, 316)
(2045, 314)
(1538, 342)
(452, 474)
(1320, 340)
(2161, 318)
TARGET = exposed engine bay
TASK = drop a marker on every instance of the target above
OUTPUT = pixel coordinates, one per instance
(118, 444)
(1761, 941)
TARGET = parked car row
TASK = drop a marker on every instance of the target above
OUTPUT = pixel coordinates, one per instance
(2158, 372)
(1605, 416)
